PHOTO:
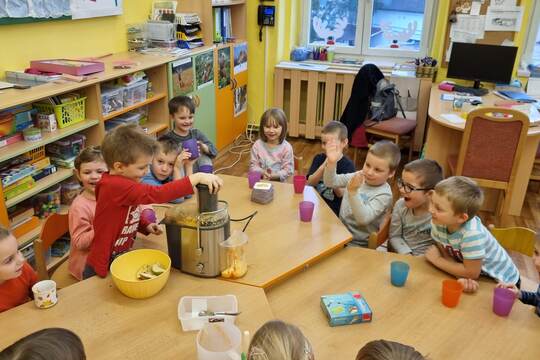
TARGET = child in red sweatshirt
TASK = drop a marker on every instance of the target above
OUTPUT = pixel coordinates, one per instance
(128, 151)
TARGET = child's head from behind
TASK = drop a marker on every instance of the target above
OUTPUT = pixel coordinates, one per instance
(128, 151)
(273, 126)
(89, 167)
(11, 259)
(387, 350)
(52, 343)
(455, 200)
(182, 113)
(165, 157)
(417, 179)
(277, 340)
(381, 162)
(334, 132)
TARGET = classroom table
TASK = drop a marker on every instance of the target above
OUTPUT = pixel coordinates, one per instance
(412, 314)
(113, 326)
(279, 243)
(444, 139)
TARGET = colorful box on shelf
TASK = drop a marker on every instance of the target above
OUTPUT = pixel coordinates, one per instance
(66, 66)
(19, 189)
(345, 309)
(46, 171)
(11, 139)
(16, 173)
(68, 163)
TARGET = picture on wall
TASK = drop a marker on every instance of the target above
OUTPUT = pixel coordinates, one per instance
(240, 100)
(182, 77)
(224, 63)
(83, 9)
(204, 69)
(240, 58)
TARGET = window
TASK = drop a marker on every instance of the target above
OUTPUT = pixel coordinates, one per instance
(370, 27)
(532, 49)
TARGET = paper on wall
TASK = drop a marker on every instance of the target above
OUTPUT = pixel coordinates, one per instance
(475, 7)
(504, 18)
(466, 27)
(503, 3)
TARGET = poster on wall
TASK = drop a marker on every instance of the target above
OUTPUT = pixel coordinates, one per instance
(83, 9)
(204, 69)
(182, 77)
(240, 100)
(224, 63)
(37, 9)
(240, 58)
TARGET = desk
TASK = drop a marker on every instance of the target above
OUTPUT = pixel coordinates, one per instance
(412, 315)
(113, 326)
(279, 243)
(444, 139)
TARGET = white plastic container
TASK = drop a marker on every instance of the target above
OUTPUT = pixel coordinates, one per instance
(219, 341)
(135, 93)
(190, 306)
(112, 99)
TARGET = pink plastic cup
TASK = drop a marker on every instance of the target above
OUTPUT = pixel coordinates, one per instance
(191, 146)
(306, 210)
(253, 177)
(299, 181)
(503, 299)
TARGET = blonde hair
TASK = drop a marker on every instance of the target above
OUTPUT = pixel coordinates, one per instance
(464, 195)
(278, 116)
(125, 143)
(335, 127)
(387, 150)
(278, 340)
(87, 155)
(388, 350)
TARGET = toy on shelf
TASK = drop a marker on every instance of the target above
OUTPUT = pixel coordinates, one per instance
(47, 202)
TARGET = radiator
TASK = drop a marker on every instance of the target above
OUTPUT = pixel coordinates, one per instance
(310, 99)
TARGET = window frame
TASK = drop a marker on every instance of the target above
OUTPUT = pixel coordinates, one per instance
(363, 32)
(534, 27)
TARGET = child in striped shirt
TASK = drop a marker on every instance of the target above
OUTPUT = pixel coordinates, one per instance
(465, 248)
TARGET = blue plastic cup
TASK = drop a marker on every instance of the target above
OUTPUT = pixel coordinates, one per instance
(399, 271)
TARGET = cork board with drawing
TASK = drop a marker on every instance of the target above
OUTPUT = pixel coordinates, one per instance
(490, 37)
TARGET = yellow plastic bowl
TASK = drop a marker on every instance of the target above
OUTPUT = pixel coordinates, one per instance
(124, 273)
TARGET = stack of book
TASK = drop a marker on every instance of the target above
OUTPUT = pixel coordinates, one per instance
(22, 220)
(222, 24)
(188, 31)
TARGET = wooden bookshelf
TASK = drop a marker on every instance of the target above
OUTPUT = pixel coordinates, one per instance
(135, 106)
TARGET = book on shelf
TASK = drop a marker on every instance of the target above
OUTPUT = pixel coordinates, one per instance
(25, 227)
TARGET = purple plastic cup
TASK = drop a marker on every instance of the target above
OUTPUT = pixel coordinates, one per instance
(299, 181)
(253, 177)
(503, 299)
(207, 168)
(191, 146)
(306, 210)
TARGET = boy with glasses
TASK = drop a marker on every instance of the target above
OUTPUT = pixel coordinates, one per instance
(410, 228)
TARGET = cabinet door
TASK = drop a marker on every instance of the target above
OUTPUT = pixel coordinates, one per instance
(181, 77)
(205, 114)
(225, 131)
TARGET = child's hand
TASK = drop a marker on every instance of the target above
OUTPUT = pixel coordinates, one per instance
(469, 285)
(213, 182)
(513, 288)
(333, 153)
(267, 174)
(203, 148)
(432, 254)
(355, 183)
(154, 229)
(182, 158)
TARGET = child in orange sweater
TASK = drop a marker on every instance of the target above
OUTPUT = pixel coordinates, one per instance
(16, 276)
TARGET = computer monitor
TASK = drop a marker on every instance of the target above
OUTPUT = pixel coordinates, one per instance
(480, 62)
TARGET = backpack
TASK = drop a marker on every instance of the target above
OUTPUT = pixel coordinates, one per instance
(383, 104)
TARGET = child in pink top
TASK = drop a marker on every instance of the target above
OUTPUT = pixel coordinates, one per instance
(272, 155)
(89, 166)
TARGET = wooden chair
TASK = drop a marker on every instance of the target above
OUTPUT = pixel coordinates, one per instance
(535, 174)
(299, 165)
(394, 129)
(54, 227)
(491, 148)
(520, 239)
(377, 238)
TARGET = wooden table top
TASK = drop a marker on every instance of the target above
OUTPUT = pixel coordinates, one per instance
(437, 107)
(113, 326)
(412, 315)
(279, 243)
